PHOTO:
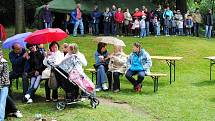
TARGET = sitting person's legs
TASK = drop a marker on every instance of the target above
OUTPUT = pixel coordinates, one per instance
(129, 75)
(101, 78)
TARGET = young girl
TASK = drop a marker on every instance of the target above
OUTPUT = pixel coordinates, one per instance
(136, 27)
(189, 24)
(156, 24)
(143, 27)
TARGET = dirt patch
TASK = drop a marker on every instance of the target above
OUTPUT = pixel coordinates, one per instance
(125, 106)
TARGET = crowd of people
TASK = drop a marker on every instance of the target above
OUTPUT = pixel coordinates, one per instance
(140, 23)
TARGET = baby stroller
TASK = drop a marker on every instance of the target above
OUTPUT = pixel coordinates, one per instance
(77, 79)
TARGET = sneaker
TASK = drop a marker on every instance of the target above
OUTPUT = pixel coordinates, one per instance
(98, 89)
(18, 114)
(55, 100)
(27, 96)
(138, 88)
(104, 87)
(48, 100)
(116, 91)
(29, 101)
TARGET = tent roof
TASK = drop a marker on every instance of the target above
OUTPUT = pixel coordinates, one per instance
(65, 6)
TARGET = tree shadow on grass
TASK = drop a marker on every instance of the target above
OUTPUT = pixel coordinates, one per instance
(204, 83)
(212, 100)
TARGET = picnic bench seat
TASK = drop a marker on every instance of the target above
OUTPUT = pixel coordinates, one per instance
(154, 76)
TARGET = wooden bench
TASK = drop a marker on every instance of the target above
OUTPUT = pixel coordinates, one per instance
(154, 76)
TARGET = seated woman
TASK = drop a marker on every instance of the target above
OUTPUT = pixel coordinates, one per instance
(117, 67)
(54, 56)
(76, 62)
(139, 62)
(102, 60)
(35, 70)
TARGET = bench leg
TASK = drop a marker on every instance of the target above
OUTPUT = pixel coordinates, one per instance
(92, 76)
(155, 79)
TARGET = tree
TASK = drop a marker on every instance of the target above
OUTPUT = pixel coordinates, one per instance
(19, 16)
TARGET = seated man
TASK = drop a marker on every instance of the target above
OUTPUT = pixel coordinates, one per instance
(18, 57)
(139, 62)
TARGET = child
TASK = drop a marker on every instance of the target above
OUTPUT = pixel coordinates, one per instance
(166, 25)
(174, 25)
(180, 27)
(189, 24)
(136, 27)
(41, 48)
(143, 27)
(156, 24)
(65, 48)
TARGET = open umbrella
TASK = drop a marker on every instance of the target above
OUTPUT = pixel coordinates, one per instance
(19, 38)
(45, 36)
(139, 14)
(110, 40)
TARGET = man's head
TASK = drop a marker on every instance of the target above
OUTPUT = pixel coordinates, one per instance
(136, 47)
(17, 48)
(31, 47)
(114, 7)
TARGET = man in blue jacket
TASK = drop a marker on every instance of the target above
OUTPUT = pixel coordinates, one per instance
(95, 16)
(139, 62)
(18, 57)
(76, 19)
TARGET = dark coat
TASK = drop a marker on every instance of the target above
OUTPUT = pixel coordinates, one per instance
(95, 16)
(36, 63)
(47, 16)
(209, 19)
(19, 64)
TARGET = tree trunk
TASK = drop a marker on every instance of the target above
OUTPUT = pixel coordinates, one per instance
(20, 16)
(181, 5)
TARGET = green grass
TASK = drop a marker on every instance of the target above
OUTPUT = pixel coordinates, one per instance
(190, 98)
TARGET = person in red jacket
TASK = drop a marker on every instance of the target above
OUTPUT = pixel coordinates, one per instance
(3, 34)
(119, 19)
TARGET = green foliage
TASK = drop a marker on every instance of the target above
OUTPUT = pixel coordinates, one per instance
(203, 5)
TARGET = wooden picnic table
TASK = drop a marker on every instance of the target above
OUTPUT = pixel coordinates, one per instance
(212, 62)
(171, 61)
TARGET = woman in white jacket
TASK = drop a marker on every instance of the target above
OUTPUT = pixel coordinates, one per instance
(55, 57)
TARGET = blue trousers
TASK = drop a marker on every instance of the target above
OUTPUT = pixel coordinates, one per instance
(3, 97)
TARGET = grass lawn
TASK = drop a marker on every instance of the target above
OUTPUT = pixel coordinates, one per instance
(190, 98)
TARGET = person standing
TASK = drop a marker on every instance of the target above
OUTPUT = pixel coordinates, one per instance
(95, 16)
(139, 62)
(197, 20)
(47, 17)
(142, 27)
(128, 20)
(119, 18)
(113, 23)
(208, 24)
(107, 20)
(76, 19)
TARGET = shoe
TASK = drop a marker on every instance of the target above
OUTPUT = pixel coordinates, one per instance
(104, 87)
(116, 91)
(55, 100)
(29, 101)
(98, 89)
(18, 114)
(27, 96)
(138, 88)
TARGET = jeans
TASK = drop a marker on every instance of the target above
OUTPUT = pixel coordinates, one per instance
(101, 76)
(113, 28)
(157, 30)
(24, 75)
(10, 106)
(129, 75)
(47, 24)
(180, 31)
(196, 29)
(166, 30)
(78, 23)
(106, 28)
(3, 97)
(142, 32)
(173, 30)
(35, 82)
(208, 30)
(147, 28)
(119, 28)
(113, 80)
(127, 30)
(95, 27)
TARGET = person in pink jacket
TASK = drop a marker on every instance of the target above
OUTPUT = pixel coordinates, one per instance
(119, 19)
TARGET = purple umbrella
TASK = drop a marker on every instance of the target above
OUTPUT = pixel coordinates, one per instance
(19, 38)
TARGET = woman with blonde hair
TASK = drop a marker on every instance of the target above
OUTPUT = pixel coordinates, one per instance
(117, 67)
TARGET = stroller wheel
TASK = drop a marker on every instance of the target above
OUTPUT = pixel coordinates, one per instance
(94, 102)
(61, 105)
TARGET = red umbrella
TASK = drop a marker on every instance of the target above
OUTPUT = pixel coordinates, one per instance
(45, 36)
(138, 14)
